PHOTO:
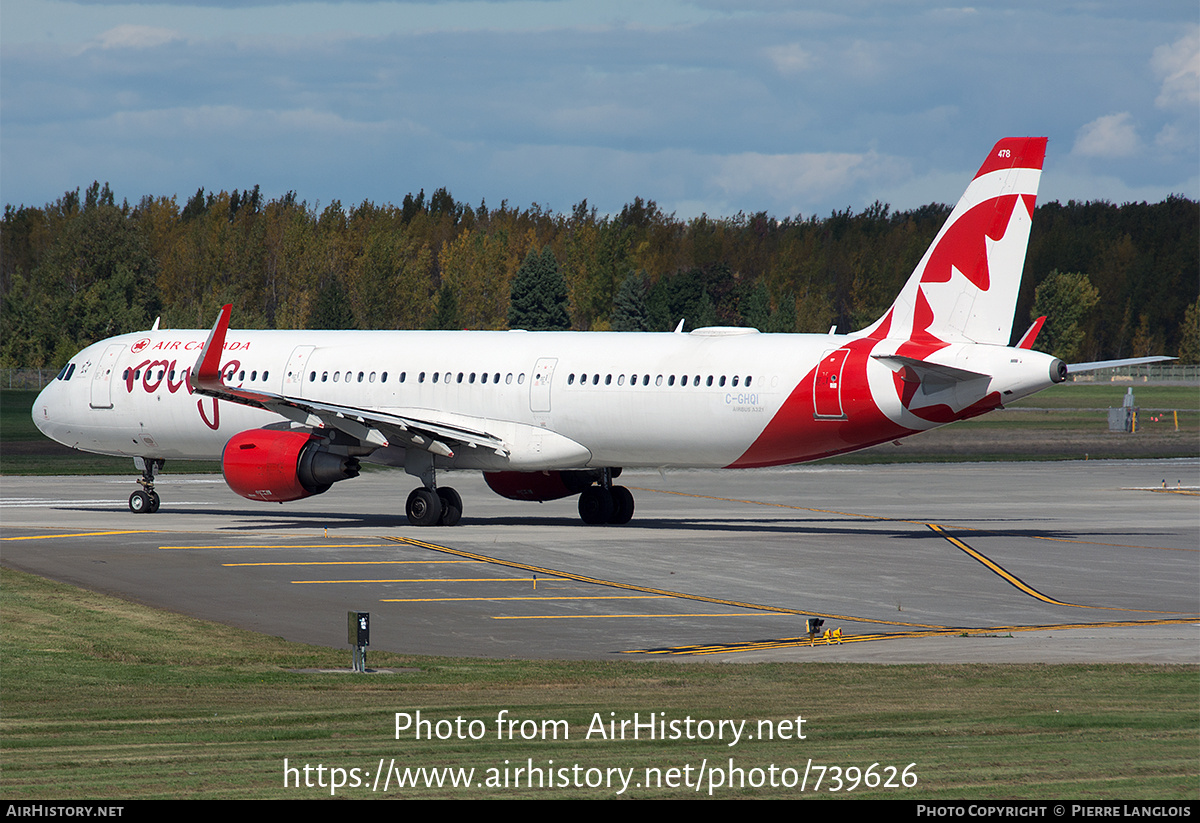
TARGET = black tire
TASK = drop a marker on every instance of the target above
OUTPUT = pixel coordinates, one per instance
(451, 506)
(155, 502)
(595, 505)
(424, 508)
(622, 506)
(140, 503)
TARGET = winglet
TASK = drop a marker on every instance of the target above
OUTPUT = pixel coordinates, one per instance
(207, 371)
(1029, 336)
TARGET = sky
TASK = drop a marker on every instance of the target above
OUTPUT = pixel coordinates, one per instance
(703, 106)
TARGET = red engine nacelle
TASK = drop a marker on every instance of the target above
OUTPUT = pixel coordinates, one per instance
(277, 466)
(539, 486)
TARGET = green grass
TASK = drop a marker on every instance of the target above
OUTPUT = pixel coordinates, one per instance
(1110, 395)
(104, 699)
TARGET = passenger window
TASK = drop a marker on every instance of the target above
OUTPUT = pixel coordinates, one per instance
(621, 380)
(735, 379)
(608, 379)
(508, 378)
(671, 380)
(570, 379)
(436, 375)
(421, 377)
(708, 382)
(324, 376)
(520, 378)
(747, 381)
(483, 377)
(721, 382)
(360, 377)
(312, 376)
(265, 375)
(459, 380)
(336, 376)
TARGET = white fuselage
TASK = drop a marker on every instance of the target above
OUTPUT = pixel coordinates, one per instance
(557, 399)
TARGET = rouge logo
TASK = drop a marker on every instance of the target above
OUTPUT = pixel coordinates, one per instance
(139, 345)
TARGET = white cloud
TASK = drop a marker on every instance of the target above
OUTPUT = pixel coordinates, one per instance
(790, 58)
(788, 176)
(131, 36)
(1112, 135)
(1179, 66)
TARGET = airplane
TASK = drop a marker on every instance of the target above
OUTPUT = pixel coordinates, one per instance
(548, 415)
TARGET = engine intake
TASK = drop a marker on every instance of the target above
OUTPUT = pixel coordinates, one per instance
(277, 466)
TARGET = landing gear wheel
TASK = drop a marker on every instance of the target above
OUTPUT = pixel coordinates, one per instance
(140, 503)
(451, 506)
(596, 505)
(155, 502)
(424, 507)
(622, 506)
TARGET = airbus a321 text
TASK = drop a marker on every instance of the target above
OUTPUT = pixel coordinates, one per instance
(547, 415)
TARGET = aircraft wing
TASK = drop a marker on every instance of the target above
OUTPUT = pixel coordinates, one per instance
(370, 426)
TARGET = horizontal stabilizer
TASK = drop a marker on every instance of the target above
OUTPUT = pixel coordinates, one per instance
(1078, 368)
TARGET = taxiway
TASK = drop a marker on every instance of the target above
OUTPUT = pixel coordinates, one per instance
(990, 562)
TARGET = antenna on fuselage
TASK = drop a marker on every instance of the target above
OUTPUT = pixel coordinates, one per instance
(679, 328)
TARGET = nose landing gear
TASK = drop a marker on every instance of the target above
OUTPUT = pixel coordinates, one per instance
(146, 501)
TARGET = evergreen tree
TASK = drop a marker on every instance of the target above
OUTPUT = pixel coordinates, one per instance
(630, 312)
(332, 309)
(447, 309)
(756, 308)
(538, 299)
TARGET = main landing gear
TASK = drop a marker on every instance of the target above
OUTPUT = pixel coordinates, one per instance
(434, 507)
(430, 506)
(606, 503)
(147, 500)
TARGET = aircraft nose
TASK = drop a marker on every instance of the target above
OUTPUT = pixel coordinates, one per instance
(46, 410)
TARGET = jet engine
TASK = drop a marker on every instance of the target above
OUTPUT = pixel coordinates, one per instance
(276, 466)
(540, 486)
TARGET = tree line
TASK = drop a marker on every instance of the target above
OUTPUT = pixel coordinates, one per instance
(83, 268)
